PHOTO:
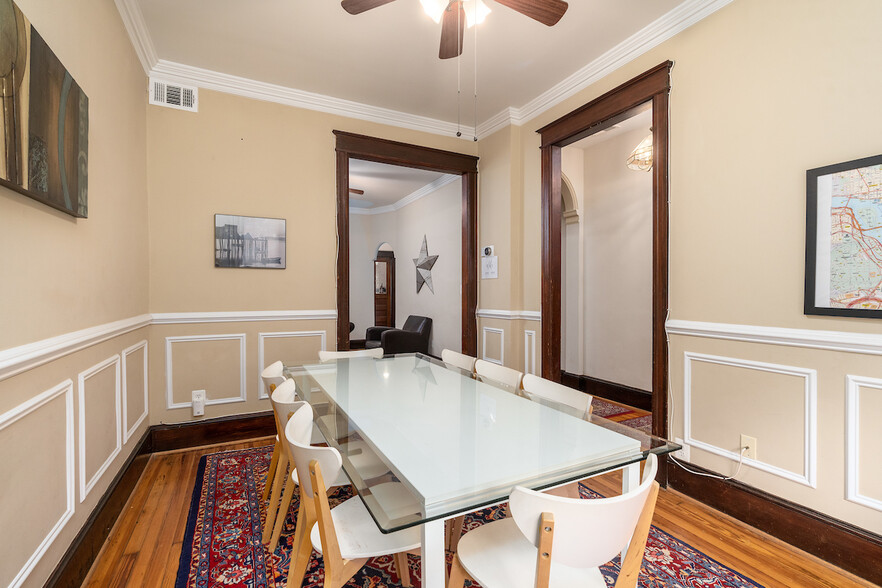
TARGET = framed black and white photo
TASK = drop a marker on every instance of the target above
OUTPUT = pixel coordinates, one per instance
(249, 241)
(843, 258)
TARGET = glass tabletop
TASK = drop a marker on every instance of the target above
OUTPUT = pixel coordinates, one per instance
(421, 440)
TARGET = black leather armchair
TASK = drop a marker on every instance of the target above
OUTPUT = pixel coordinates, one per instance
(413, 337)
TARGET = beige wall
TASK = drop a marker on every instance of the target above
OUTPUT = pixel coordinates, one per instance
(760, 93)
(58, 435)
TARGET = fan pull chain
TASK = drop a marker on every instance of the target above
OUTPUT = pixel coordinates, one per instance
(458, 72)
(475, 128)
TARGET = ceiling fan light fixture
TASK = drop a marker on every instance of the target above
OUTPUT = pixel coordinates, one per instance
(475, 10)
(641, 157)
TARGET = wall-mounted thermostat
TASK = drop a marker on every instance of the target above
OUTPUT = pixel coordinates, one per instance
(486, 250)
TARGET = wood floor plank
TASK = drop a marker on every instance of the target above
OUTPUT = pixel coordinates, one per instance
(144, 546)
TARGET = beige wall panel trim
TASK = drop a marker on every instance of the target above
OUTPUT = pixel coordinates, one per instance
(178, 318)
(410, 198)
(509, 315)
(230, 84)
(24, 357)
(831, 340)
(21, 411)
(114, 362)
(682, 17)
(128, 432)
(852, 439)
(501, 332)
(530, 352)
(169, 374)
(133, 20)
(808, 476)
(262, 337)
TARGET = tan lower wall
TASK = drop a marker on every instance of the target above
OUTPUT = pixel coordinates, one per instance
(66, 429)
(794, 401)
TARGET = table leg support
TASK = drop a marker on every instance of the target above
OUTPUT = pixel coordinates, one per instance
(433, 555)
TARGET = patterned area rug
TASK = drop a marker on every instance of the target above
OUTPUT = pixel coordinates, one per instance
(222, 544)
(632, 417)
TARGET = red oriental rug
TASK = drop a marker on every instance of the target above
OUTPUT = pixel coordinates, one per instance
(222, 546)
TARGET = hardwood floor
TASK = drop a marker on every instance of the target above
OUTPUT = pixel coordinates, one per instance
(145, 544)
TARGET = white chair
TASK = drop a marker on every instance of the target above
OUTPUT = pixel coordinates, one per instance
(285, 402)
(558, 393)
(329, 355)
(554, 542)
(347, 535)
(499, 373)
(272, 376)
(460, 360)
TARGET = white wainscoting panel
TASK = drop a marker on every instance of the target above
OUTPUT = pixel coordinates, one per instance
(530, 352)
(852, 438)
(262, 337)
(114, 362)
(169, 374)
(21, 411)
(129, 431)
(809, 475)
(501, 332)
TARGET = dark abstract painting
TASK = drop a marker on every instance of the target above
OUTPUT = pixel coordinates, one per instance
(45, 119)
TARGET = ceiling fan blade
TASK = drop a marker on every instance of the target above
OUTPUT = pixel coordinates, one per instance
(452, 29)
(548, 12)
(356, 191)
(359, 6)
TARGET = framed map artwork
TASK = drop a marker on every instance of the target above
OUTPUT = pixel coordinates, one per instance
(843, 257)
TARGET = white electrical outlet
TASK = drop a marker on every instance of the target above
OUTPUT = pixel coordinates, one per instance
(682, 453)
(198, 402)
(750, 443)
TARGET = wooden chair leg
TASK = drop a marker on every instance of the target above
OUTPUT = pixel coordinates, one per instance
(271, 472)
(301, 550)
(630, 569)
(403, 568)
(454, 532)
(458, 575)
(282, 515)
(273, 504)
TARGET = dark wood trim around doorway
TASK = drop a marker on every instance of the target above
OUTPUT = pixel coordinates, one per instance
(351, 146)
(651, 86)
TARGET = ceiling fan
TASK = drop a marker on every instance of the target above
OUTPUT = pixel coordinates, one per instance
(453, 19)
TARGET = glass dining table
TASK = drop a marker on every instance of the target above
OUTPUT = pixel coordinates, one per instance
(455, 442)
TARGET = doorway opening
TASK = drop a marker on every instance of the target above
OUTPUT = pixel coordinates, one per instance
(647, 92)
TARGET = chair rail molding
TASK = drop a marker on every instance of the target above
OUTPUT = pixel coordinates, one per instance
(810, 439)
(179, 318)
(509, 315)
(852, 439)
(866, 343)
(262, 337)
(15, 414)
(169, 375)
(114, 362)
(129, 431)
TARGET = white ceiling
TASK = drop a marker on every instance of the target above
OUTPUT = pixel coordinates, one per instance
(384, 185)
(386, 60)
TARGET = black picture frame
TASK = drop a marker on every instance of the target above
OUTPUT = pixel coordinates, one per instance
(819, 258)
(253, 242)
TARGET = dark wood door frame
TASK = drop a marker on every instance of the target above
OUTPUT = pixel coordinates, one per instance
(651, 86)
(352, 146)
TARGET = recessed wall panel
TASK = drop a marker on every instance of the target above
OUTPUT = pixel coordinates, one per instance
(289, 347)
(99, 421)
(221, 371)
(493, 345)
(134, 381)
(869, 446)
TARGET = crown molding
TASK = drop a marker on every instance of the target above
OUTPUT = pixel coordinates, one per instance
(239, 86)
(410, 198)
(650, 36)
(133, 19)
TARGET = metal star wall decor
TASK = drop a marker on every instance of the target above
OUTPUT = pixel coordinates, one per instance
(424, 265)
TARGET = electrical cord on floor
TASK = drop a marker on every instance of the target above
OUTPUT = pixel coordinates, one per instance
(714, 476)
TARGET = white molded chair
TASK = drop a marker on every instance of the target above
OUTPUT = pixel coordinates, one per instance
(272, 376)
(499, 373)
(555, 542)
(347, 535)
(329, 355)
(285, 402)
(460, 360)
(558, 393)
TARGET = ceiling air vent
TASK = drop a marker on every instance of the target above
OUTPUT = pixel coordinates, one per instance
(173, 95)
